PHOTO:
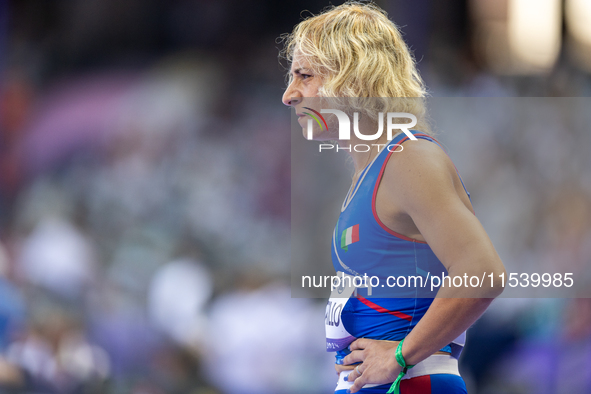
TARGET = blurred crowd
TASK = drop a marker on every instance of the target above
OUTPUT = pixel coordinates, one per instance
(145, 203)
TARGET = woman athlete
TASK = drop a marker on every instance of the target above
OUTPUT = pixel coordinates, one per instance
(407, 210)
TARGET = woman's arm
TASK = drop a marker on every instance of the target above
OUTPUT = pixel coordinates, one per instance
(420, 182)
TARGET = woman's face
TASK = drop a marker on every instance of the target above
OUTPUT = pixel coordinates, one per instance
(304, 84)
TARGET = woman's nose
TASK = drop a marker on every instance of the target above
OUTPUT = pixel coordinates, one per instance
(291, 97)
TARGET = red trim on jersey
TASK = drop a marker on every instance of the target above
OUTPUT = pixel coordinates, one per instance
(418, 385)
(384, 310)
(375, 193)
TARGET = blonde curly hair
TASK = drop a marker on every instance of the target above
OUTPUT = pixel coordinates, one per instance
(360, 55)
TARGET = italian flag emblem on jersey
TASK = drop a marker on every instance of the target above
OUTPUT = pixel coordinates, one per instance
(349, 236)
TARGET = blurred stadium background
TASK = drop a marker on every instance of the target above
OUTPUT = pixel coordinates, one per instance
(145, 240)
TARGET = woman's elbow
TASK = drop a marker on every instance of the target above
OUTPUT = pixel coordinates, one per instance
(498, 279)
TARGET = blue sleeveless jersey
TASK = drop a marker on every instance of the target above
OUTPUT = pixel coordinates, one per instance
(362, 244)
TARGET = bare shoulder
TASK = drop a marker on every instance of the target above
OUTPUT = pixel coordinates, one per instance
(421, 153)
(420, 174)
(419, 159)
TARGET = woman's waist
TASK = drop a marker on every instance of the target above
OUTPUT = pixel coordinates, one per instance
(432, 365)
(438, 363)
(358, 317)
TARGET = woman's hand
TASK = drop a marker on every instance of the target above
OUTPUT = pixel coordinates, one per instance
(379, 362)
(341, 368)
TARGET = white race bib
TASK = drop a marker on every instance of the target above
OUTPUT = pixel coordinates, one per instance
(337, 337)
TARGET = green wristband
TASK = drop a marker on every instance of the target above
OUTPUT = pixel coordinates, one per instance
(395, 388)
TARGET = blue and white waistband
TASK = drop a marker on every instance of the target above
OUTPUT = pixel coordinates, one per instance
(432, 365)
